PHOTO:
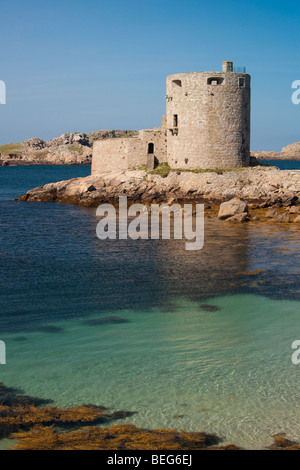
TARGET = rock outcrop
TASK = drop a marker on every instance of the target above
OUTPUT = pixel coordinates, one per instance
(232, 208)
(290, 152)
(68, 149)
(258, 188)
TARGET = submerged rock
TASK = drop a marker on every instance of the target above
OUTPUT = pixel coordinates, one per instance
(105, 321)
(271, 213)
(283, 218)
(295, 210)
(209, 308)
(238, 218)
(49, 329)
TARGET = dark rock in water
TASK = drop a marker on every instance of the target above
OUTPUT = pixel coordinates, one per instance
(49, 329)
(271, 213)
(105, 321)
(283, 218)
(209, 308)
(20, 338)
(168, 307)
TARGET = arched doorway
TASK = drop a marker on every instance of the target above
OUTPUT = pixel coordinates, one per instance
(150, 148)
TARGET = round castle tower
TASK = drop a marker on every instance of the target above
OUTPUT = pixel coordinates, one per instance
(208, 119)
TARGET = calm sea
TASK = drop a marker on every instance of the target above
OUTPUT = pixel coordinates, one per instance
(284, 165)
(186, 339)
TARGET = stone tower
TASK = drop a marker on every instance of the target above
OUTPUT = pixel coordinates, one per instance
(208, 119)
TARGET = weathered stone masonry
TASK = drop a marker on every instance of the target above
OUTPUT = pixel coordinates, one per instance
(207, 125)
(129, 152)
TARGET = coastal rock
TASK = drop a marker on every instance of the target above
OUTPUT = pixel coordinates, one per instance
(36, 143)
(191, 187)
(231, 208)
(297, 220)
(238, 218)
(295, 210)
(271, 213)
(283, 218)
(290, 152)
(66, 139)
(288, 199)
(68, 149)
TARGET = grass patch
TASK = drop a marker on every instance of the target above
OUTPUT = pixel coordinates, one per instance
(76, 149)
(42, 153)
(142, 167)
(8, 149)
(162, 169)
(129, 134)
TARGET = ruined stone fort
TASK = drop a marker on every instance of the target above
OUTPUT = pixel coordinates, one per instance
(206, 126)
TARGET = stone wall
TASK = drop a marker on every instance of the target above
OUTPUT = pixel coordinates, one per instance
(157, 137)
(208, 120)
(128, 153)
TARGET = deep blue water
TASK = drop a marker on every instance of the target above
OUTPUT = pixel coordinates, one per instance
(15, 180)
(225, 369)
(284, 165)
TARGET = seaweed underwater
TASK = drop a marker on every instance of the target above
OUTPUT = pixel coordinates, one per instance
(36, 426)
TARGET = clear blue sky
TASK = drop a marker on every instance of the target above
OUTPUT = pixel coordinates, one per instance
(74, 65)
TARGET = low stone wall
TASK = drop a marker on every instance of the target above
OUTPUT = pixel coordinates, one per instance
(130, 153)
(117, 154)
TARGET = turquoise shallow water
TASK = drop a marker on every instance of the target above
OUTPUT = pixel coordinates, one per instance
(195, 342)
(228, 371)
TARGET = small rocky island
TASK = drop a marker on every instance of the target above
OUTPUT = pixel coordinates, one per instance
(68, 149)
(290, 152)
(260, 187)
(200, 154)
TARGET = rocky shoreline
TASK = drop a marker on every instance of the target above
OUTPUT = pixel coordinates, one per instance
(68, 149)
(260, 187)
(290, 152)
